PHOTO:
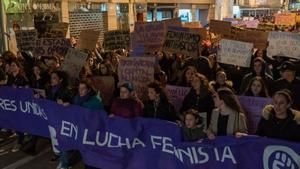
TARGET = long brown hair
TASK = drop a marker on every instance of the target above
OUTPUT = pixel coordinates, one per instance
(262, 93)
(230, 99)
(205, 87)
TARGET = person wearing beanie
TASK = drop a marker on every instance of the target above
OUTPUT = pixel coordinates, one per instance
(279, 120)
(126, 106)
(288, 81)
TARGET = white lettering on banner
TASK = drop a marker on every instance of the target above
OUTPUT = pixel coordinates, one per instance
(111, 140)
(8, 105)
(153, 138)
(85, 141)
(68, 129)
(35, 109)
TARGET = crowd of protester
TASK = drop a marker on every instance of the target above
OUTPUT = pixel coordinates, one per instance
(214, 87)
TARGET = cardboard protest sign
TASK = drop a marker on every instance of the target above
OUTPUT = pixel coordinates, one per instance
(285, 19)
(235, 53)
(106, 86)
(73, 62)
(191, 24)
(284, 44)
(151, 34)
(117, 39)
(183, 40)
(220, 27)
(139, 71)
(60, 27)
(26, 39)
(47, 47)
(88, 39)
(176, 95)
(252, 24)
(253, 107)
(258, 38)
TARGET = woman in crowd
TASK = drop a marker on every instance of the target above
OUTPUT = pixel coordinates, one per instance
(193, 128)
(87, 98)
(258, 69)
(59, 92)
(228, 117)
(126, 106)
(17, 78)
(39, 78)
(256, 88)
(187, 77)
(158, 105)
(199, 97)
(279, 120)
(221, 81)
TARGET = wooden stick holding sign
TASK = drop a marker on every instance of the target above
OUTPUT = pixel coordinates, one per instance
(235, 53)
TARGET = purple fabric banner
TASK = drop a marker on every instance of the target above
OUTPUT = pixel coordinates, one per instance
(117, 143)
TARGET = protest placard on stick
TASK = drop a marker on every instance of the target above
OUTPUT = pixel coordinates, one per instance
(26, 39)
(288, 19)
(88, 39)
(176, 95)
(284, 44)
(73, 62)
(220, 27)
(183, 40)
(139, 71)
(117, 39)
(235, 52)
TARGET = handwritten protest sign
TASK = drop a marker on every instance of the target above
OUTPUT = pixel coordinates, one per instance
(74, 62)
(26, 39)
(284, 44)
(117, 39)
(220, 27)
(139, 71)
(258, 38)
(253, 107)
(106, 86)
(235, 52)
(176, 95)
(285, 19)
(151, 34)
(182, 40)
(47, 47)
(88, 39)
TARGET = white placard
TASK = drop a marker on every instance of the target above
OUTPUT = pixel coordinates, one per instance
(284, 44)
(235, 53)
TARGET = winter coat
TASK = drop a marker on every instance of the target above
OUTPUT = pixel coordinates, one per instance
(164, 111)
(287, 129)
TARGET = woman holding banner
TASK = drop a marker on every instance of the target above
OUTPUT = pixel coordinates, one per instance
(158, 105)
(199, 97)
(228, 118)
(279, 120)
(126, 106)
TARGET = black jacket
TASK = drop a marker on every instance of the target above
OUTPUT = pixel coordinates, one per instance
(19, 80)
(164, 111)
(201, 104)
(62, 93)
(287, 129)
